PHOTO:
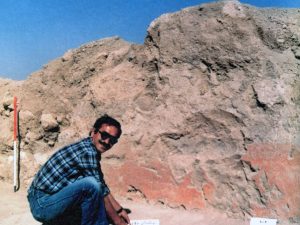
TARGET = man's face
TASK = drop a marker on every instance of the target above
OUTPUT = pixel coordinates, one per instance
(105, 138)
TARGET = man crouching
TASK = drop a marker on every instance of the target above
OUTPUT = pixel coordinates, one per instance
(72, 179)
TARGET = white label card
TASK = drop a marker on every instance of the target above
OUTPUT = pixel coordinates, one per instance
(262, 221)
(144, 222)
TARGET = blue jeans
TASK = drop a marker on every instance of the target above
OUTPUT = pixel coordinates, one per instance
(84, 194)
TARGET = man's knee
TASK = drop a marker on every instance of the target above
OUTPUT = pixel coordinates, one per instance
(91, 185)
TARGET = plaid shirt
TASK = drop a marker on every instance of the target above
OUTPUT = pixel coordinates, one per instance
(69, 164)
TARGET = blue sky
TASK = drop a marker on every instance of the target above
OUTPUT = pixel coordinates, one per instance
(34, 32)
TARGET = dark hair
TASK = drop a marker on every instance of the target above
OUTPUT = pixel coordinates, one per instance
(106, 119)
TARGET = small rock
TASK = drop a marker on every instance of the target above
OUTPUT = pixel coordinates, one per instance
(51, 143)
(7, 101)
(67, 56)
(26, 116)
(203, 67)
(48, 122)
(31, 136)
(59, 119)
(10, 107)
(280, 40)
(296, 52)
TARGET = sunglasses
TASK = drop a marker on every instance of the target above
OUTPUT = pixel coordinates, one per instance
(104, 135)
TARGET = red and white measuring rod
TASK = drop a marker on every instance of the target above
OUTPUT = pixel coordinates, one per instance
(15, 143)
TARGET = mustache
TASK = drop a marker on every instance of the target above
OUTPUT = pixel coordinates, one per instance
(106, 146)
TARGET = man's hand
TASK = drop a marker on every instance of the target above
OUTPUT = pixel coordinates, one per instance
(123, 214)
(114, 210)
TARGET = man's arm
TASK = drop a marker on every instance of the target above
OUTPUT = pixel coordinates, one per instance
(110, 203)
(118, 208)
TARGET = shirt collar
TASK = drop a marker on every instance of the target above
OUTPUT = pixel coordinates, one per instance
(89, 139)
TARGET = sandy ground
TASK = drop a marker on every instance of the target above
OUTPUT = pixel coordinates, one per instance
(14, 210)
